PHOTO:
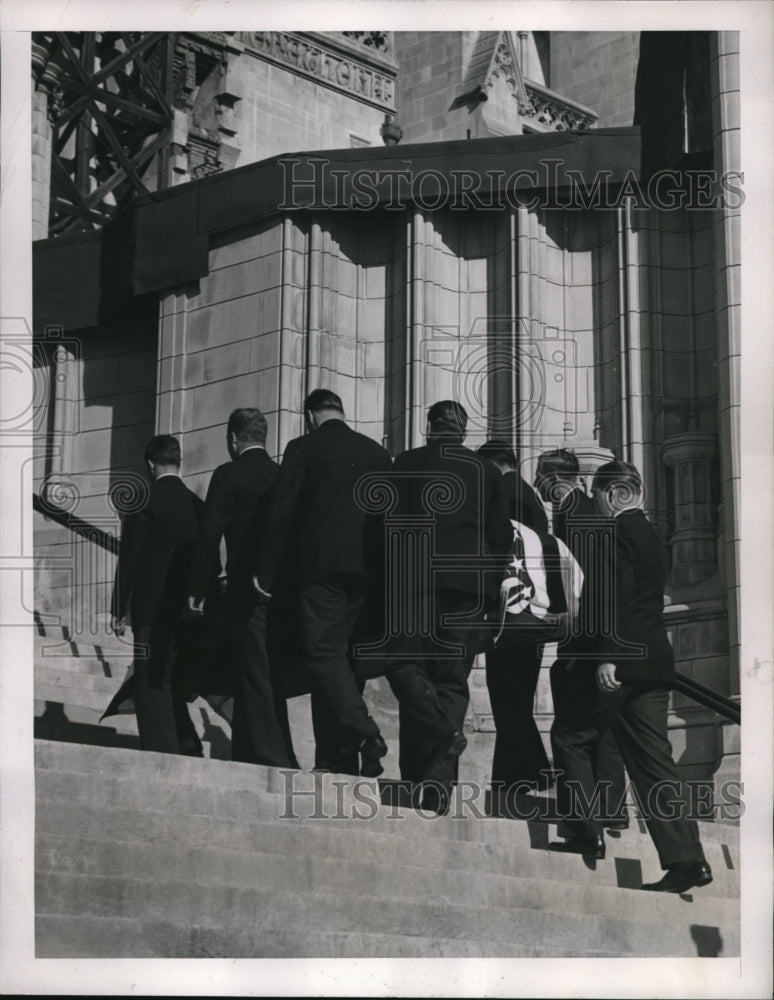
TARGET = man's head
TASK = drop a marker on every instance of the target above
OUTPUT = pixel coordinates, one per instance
(447, 421)
(321, 405)
(500, 453)
(556, 475)
(162, 455)
(246, 429)
(616, 486)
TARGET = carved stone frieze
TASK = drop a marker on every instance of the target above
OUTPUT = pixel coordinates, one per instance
(550, 112)
(344, 70)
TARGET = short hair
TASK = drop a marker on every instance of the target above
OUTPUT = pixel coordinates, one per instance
(498, 451)
(559, 462)
(163, 449)
(322, 399)
(248, 424)
(619, 474)
(448, 419)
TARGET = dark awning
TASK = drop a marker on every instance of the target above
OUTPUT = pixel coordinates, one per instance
(163, 240)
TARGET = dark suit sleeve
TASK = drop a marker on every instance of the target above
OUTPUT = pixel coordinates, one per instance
(622, 587)
(498, 527)
(218, 508)
(282, 513)
(136, 531)
(533, 514)
(399, 466)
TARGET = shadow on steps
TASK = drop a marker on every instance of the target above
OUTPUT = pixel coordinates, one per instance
(53, 724)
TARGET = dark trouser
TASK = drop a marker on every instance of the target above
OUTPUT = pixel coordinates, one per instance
(606, 760)
(330, 609)
(511, 679)
(163, 721)
(260, 733)
(637, 715)
(431, 682)
(325, 724)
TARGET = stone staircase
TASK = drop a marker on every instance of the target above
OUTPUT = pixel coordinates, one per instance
(153, 855)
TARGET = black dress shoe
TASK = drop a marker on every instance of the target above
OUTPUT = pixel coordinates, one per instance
(589, 847)
(372, 749)
(682, 877)
(436, 797)
(619, 823)
(438, 765)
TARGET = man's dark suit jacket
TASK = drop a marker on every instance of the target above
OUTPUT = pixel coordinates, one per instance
(314, 508)
(523, 503)
(577, 524)
(154, 554)
(638, 569)
(236, 508)
(480, 524)
(572, 517)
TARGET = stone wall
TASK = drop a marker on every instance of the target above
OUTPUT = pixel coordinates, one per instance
(431, 71)
(281, 111)
(598, 69)
(724, 78)
(89, 458)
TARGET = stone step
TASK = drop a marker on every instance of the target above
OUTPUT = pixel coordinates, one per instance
(113, 668)
(277, 909)
(103, 736)
(241, 822)
(361, 872)
(74, 936)
(86, 641)
(52, 711)
(83, 706)
(225, 777)
(94, 736)
(52, 675)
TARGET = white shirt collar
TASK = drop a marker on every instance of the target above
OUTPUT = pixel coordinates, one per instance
(165, 474)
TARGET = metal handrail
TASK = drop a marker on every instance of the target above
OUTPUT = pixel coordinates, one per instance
(710, 699)
(76, 524)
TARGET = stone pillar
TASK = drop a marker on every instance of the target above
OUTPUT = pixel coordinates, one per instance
(45, 101)
(417, 275)
(63, 404)
(629, 334)
(724, 78)
(693, 456)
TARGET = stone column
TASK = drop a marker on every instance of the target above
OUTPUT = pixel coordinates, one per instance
(693, 456)
(724, 79)
(45, 102)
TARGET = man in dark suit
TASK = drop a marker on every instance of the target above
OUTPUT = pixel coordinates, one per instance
(236, 509)
(512, 674)
(153, 559)
(429, 666)
(626, 690)
(576, 523)
(336, 557)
